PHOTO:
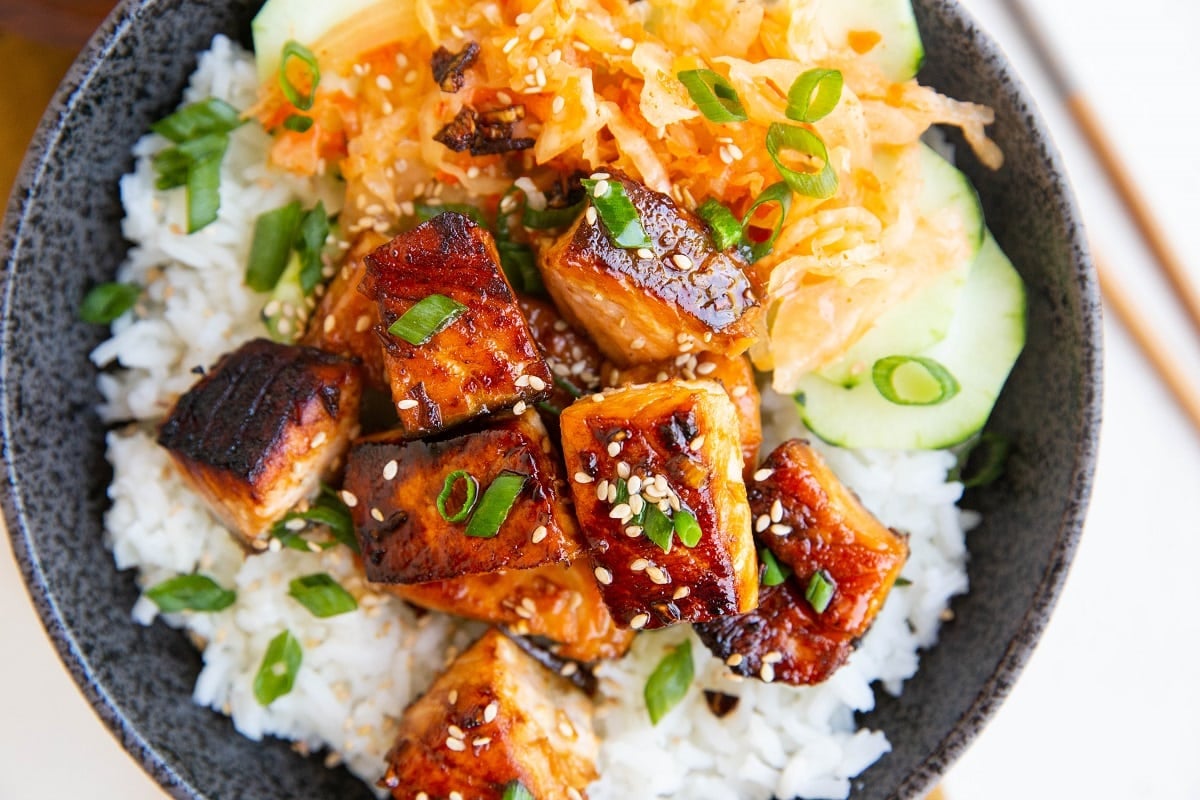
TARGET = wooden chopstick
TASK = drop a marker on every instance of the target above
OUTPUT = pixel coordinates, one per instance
(1111, 162)
(1152, 345)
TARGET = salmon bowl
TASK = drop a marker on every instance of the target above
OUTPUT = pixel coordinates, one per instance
(147, 681)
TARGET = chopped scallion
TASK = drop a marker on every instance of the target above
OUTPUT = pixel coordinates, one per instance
(819, 592)
(617, 214)
(198, 119)
(775, 194)
(194, 592)
(687, 528)
(310, 244)
(496, 503)
(516, 790)
(985, 463)
(775, 573)
(670, 681)
(726, 230)
(814, 95)
(107, 301)
(913, 381)
(301, 99)
(274, 232)
(520, 267)
(277, 673)
(715, 96)
(816, 180)
(427, 318)
(471, 488)
(328, 511)
(203, 192)
(550, 218)
(658, 527)
(322, 595)
(298, 123)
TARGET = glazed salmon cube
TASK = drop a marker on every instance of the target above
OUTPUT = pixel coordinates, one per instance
(814, 526)
(559, 604)
(485, 359)
(676, 296)
(392, 487)
(662, 463)
(494, 717)
(258, 433)
(345, 319)
(733, 372)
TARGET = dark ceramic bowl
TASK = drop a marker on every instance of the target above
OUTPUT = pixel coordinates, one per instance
(62, 234)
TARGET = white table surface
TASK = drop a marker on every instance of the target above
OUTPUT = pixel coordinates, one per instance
(1107, 707)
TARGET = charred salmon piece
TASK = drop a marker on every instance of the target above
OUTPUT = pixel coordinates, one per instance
(732, 372)
(392, 487)
(258, 433)
(345, 319)
(662, 463)
(573, 357)
(813, 524)
(676, 296)
(557, 603)
(784, 639)
(484, 360)
(495, 716)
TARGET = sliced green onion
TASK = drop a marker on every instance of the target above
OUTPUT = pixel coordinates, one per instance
(713, 95)
(777, 193)
(495, 504)
(550, 218)
(294, 49)
(814, 95)
(775, 573)
(328, 510)
(520, 267)
(107, 301)
(298, 123)
(198, 119)
(174, 164)
(203, 192)
(726, 230)
(427, 318)
(472, 487)
(310, 244)
(819, 593)
(427, 211)
(784, 138)
(191, 593)
(985, 463)
(277, 673)
(548, 408)
(322, 595)
(567, 387)
(617, 213)
(902, 582)
(622, 492)
(658, 527)
(516, 790)
(913, 381)
(687, 528)
(670, 681)
(274, 232)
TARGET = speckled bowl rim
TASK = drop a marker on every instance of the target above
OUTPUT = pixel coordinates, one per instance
(991, 694)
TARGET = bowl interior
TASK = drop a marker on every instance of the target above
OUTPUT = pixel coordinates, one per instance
(62, 235)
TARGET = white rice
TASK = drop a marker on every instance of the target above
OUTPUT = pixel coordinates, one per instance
(361, 669)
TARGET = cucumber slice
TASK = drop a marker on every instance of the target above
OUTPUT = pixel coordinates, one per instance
(980, 348)
(305, 21)
(923, 320)
(899, 52)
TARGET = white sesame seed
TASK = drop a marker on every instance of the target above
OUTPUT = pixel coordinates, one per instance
(636, 504)
(590, 215)
(604, 576)
(763, 474)
(583, 477)
(456, 732)
(455, 796)
(740, 391)
(601, 188)
(558, 105)
(537, 33)
(625, 43)
(735, 152)
(734, 659)
(573, 793)
(623, 469)
(390, 469)
(602, 490)
(682, 261)
(376, 515)
(773, 657)
(697, 443)
(614, 449)
(489, 713)
(639, 622)
(706, 368)
(317, 440)
(349, 499)
(295, 525)
(723, 152)
(657, 575)
(453, 696)
(520, 407)
(777, 510)
(600, 176)
(509, 45)
(481, 741)
(523, 18)
(681, 592)
(539, 533)
(781, 530)
(383, 82)
(275, 545)
(638, 564)
(612, 493)
(633, 531)
(767, 673)
(638, 343)
(645, 253)
(406, 404)
(455, 744)
(536, 383)
(522, 381)
(328, 324)
(565, 729)
(620, 511)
